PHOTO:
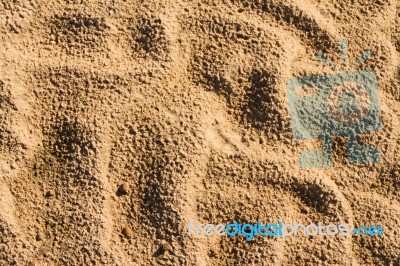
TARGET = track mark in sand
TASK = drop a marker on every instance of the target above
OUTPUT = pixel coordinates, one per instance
(320, 193)
(221, 136)
(311, 199)
(149, 38)
(223, 194)
(74, 160)
(12, 234)
(110, 223)
(72, 172)
(104, 159)
(7, 207)
(73, 31)
(372, 209)
(19, 143)
(220, 142)
(233, 63)
(303, 16)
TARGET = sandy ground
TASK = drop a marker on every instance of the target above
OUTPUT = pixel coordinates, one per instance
(184, 104)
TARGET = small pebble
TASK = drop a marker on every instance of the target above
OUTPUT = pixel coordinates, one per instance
(124, 188)
(127, 232)
(40, 237)
(374, 184)
(44, 250)
(166, 247)
(50, 193)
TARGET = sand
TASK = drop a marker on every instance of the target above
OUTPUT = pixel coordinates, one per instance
(122, 120)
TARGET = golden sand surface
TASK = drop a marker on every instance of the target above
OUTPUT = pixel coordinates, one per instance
(121, 120)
